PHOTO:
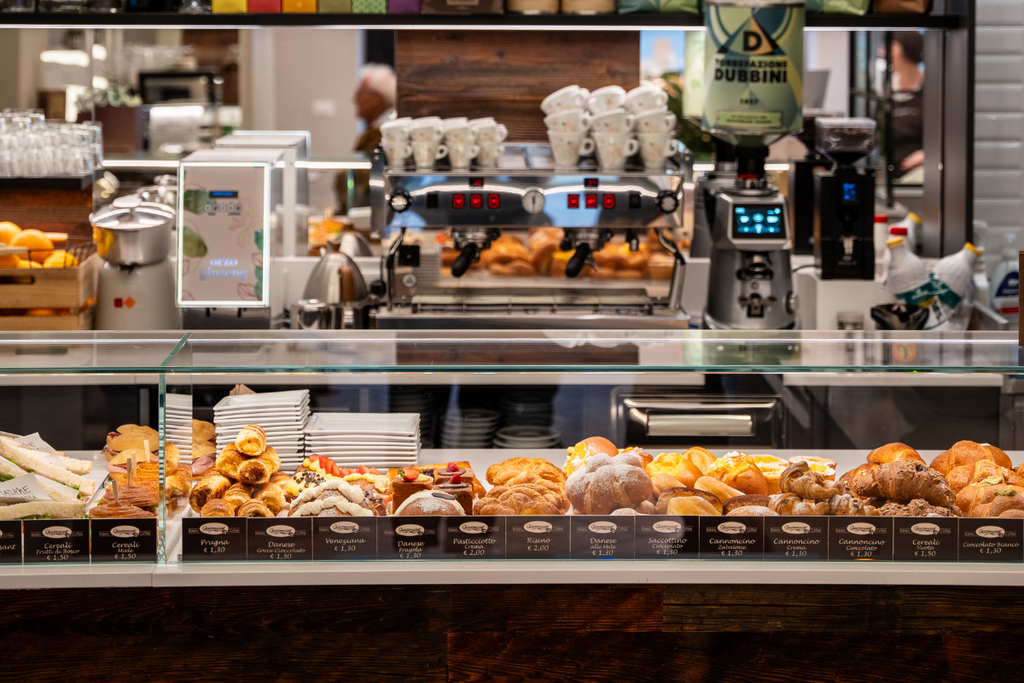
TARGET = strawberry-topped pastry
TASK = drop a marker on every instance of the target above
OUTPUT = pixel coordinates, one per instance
(456, 486)
(406, 482)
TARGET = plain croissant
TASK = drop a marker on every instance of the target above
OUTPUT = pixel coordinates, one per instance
(800, 479)
(903, 481)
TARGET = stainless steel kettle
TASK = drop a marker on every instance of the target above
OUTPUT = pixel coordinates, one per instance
(337, 282)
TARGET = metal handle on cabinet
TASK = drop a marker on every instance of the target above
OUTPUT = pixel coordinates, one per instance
(694, 425)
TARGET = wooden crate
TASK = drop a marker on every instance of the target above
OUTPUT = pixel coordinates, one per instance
(72, 288)
(60, 323)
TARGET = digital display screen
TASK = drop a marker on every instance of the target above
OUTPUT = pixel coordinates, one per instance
(850, 192)
(224, 194)
(476, 182)
(757, 221)
(590, 182)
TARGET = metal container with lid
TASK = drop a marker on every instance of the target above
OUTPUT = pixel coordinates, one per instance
(131, 232)
(337, 282)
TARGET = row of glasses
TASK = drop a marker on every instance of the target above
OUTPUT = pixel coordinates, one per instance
(32, 147)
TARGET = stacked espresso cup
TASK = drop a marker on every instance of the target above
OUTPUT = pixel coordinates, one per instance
(431, 138)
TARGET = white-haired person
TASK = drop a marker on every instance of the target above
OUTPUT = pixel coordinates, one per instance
(375, 103)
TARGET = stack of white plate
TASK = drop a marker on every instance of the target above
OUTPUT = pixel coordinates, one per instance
(371, 439)
(416, 400)
(469, 428)
(526, 436)
(178, 420)
(526, 408)
(282, 415)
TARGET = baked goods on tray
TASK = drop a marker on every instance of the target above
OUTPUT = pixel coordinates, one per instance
(608, 483)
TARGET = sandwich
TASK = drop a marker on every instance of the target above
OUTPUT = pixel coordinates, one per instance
(128, 437)
(31, 461)
(75, 466)
(42, 509)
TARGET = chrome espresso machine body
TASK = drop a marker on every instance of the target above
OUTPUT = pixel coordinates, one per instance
(524, 191)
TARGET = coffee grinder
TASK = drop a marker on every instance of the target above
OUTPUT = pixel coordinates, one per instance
(845, 198)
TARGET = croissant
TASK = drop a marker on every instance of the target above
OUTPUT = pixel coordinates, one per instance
(891, 452)
(502, 473)
(216, 508)
(251, 440)
(902, 481)
(259, 470)
(178, 482)
(254, 508)
(236, 495)
(228, 461)
(212, 485)
(973, 498)
(962, 475)
(739, 471)
(967, 453)
(847, 478)
(848, 505)
(541, 497)
(272, 496)
(799, 479)
(607, 484)
(790, 504)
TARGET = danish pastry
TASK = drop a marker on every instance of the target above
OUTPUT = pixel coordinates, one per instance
(521, 470)
(270, 495)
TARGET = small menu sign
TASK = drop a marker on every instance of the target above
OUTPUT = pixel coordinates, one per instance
(124, 540)
(796, 538)
(213, 539)
(602, 538)
(475, 538)
(10, 541)
(924, 539)
(664, 537)
(865, 539)
(279, 539)
(345, 538)
(56, 540)
(732, 538)
(410, 538)
(990, 540)
(537, 538)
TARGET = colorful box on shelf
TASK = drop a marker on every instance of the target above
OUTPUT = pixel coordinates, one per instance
(230, 6)
(369, 7)
(264, 6)
(298, 6)
(463, 7)
(404, 6)
(334, 7)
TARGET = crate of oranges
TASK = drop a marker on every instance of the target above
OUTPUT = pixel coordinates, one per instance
(47, 281)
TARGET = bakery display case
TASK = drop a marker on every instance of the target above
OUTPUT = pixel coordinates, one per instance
(388, 457)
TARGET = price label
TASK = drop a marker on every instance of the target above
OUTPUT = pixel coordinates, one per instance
(863, 539)
(732, 538)
(124, 540)
(410, 538)
(666, 537)
(537, 538)
(56, 540)
(477, 538)
(344, 538)
(924, 539)
(213, 539)
(990, 540)
(10, 542)
(610, 537)
(796, 538)
(279, 539)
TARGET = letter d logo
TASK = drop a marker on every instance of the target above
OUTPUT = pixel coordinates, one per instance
(752, 41)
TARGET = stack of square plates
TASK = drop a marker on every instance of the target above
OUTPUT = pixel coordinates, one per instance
(421, 400)
(178, 418)
(469, 428)
(526, 436)
(371, 439)
(282, 415)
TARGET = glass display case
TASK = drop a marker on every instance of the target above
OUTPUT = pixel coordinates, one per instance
(395, 457)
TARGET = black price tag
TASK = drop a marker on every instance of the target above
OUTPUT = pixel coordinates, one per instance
(279, 539)
(796, 538)
(10, 542)
(124, 540)
(474, 538)
(860, 539)
(410, 538)
(602, 538)
(664, 537)
(56, 540)
(924, 539)
(213, 539)
(537, 538)
(345, 538)
(732, 538)
(988, 540)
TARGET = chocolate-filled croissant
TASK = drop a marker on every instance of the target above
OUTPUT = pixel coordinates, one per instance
(236, 495)
(270, 495)
(251, 440)
(216, 508)
(212, 485)
(254, 508)
(256, 471)
(228, 461)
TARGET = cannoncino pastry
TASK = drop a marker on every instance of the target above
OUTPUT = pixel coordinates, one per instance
(607, 484)
(251, 440)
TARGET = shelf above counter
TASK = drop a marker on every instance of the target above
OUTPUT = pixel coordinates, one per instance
(605, 22)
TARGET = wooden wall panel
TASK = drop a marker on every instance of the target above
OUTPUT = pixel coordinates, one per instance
(506, 74)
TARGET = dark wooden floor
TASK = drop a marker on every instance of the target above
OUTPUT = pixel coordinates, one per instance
(518, 633)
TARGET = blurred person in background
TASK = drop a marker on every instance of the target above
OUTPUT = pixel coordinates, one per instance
(908, 106)
(375, 103)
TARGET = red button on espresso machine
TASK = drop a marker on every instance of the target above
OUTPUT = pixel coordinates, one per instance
(574, 201)
(591, 201)
(476, 201)
(608, 201)
(458, 201)
(494, 201)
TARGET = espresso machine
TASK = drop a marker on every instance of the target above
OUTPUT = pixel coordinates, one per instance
(707, 186)
(845, 200)
(524, 190)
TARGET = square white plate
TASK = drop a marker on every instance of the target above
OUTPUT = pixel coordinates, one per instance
(379, 423)
(265, 399)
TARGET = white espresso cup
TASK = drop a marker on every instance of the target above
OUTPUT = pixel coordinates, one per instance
(395, 131)
(614, 148)
(426, 152)
(655, 122)
(613, 121)
(396, 153)
(646, 98)
(656, 147)
(566, 148)
(426, 129)
(463, 135)
(461, 153)
(489, 153)
(605, 99)
(569, 97)
(488, 131)
(568, 121)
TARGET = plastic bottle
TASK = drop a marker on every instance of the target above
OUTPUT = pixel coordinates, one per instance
(913, 224)
(880, 236)
(953, 283)
(1004, 288)
(907, 277)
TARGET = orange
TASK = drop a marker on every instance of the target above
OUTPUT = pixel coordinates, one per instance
(42, 312)
(8, 232)
(38, 244)
(60, 259)
(10, 261)
(29, 264)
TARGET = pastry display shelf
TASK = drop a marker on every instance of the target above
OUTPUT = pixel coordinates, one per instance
(604, 22)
